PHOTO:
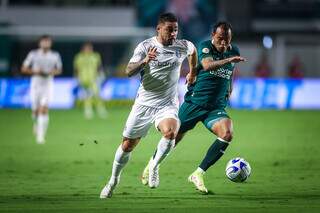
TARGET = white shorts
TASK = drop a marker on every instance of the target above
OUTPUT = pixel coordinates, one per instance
(40, 95)
(141, 118)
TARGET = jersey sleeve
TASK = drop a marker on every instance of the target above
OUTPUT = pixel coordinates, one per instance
(236, 50)
(29, 59)
(58, 62)
(190, 47)
(204, 51)
(139, 53)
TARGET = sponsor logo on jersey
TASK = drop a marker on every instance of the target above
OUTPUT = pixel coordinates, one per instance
(163, 63)
(178, 53)
(166, 53)
(222, 73)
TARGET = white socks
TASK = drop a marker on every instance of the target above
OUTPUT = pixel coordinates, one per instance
(42, 125)
(121, 158)
(201, 171)
(163, 149)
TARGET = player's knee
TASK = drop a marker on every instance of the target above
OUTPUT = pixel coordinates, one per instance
(169, 134)
(227, 136)
(128, 145)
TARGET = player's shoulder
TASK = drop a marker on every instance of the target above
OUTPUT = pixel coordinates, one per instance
(145, 44)
(183, 42)
(234, 49)
(33, 52)
(205, 47)
(55, 54)
(206, 43)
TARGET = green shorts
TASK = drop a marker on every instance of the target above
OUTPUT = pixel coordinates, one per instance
(190, 114)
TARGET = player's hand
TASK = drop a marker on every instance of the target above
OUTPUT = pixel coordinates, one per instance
(236, 59)
(152, 55)
(190, 79)
(36, 71)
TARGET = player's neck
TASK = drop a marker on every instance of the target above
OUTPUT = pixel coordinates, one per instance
(44, 50)
(161, 41)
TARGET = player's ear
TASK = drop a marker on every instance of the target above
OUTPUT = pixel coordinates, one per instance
(158, 27)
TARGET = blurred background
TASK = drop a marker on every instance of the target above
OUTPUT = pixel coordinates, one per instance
(279, 38)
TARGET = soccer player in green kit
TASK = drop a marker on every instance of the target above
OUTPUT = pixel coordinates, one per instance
(207, 97)
(87, 64)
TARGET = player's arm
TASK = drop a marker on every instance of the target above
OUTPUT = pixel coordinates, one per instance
(26, 66)
(192, 60)
(26, 70)
(75, 66)
(209, 64)
(58, 68)
(139, 60)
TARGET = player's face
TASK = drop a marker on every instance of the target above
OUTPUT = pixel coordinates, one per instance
(88, 48)
(221, 39)
(168, 32)
(45, 43)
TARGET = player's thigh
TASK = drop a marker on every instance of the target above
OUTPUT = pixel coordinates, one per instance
(167, 121)
(189, 115)
(139, 122)
(45, 95)
(35, 97)
(219, 122)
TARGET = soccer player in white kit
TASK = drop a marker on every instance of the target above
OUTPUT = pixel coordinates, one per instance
(158, 60)
(42, 64)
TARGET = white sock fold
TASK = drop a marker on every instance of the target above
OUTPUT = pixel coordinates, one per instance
(121, 158)
(200, 170)
(42, 126)
(164, 147)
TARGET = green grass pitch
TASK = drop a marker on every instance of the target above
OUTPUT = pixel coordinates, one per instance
(68, 172)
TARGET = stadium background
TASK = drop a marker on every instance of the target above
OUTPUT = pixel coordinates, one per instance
(276, 114)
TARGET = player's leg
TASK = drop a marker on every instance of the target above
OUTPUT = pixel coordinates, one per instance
(42, 123)
(102, 112)
(168, 128)
(223, 129)
(188, 115)
(137, 126)
(121, 158)
(34, 99)
(221, 125)
(87, 102)
(42, 93)
(145, 173)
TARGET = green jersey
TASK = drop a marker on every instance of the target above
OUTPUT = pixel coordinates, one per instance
(87, 65)
(212, 87)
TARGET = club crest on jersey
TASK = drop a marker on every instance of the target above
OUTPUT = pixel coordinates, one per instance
(178, 53)
(205, 50)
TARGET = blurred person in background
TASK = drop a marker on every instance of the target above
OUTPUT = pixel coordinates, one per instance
(295, 68)
(42, 64)
(263, 68)
(89, 72)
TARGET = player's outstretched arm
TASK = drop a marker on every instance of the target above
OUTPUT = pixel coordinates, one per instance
(209, 64)
(135, 67)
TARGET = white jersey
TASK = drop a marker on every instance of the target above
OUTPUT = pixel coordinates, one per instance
(159, 79)
(45, 61)
(41, 89)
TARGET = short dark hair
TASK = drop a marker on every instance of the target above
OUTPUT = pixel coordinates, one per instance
(167, 17)
(226, 26)
(44, 37)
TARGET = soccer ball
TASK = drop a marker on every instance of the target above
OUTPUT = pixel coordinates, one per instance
(238, 170)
